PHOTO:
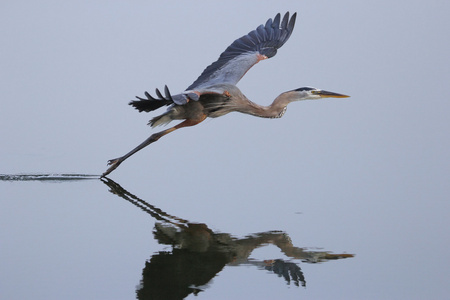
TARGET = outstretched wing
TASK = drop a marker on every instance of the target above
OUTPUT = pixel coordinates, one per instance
(233, 63)
(243, 53)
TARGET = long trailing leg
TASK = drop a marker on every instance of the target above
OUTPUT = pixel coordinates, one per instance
(114, 163)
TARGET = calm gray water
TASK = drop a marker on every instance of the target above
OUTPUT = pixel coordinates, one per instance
(78, 237)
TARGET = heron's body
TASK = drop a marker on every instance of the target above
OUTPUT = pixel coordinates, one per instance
(215, 93)
(217, 105)
(211, 105)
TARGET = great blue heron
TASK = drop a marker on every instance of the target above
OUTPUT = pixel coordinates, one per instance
(215, 94)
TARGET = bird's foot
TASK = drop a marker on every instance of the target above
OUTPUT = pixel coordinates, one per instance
(113, 163)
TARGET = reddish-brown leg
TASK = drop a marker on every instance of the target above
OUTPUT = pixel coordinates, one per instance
(114, 163)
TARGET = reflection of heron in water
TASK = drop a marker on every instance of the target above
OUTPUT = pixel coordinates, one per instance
(199, 253)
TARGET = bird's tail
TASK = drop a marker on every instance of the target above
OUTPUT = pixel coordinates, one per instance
(160, 120)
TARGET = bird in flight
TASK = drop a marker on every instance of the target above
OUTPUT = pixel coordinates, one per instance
(215, 93)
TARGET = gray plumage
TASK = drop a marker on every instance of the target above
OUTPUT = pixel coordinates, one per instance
(214, 93)
(244, 52)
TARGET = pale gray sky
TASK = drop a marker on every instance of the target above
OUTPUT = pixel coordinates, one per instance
(380, 158)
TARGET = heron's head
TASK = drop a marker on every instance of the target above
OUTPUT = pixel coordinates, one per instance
(310, 93)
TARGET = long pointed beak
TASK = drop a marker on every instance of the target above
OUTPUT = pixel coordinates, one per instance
(326, 94)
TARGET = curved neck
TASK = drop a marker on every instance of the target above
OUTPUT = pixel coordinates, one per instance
(274, 110)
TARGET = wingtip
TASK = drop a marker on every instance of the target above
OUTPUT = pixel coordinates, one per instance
(292, 21)
(292, 18)
(167, 92)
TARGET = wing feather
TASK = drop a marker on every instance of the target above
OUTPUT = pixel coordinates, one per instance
(232, 64)
(246, 51)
